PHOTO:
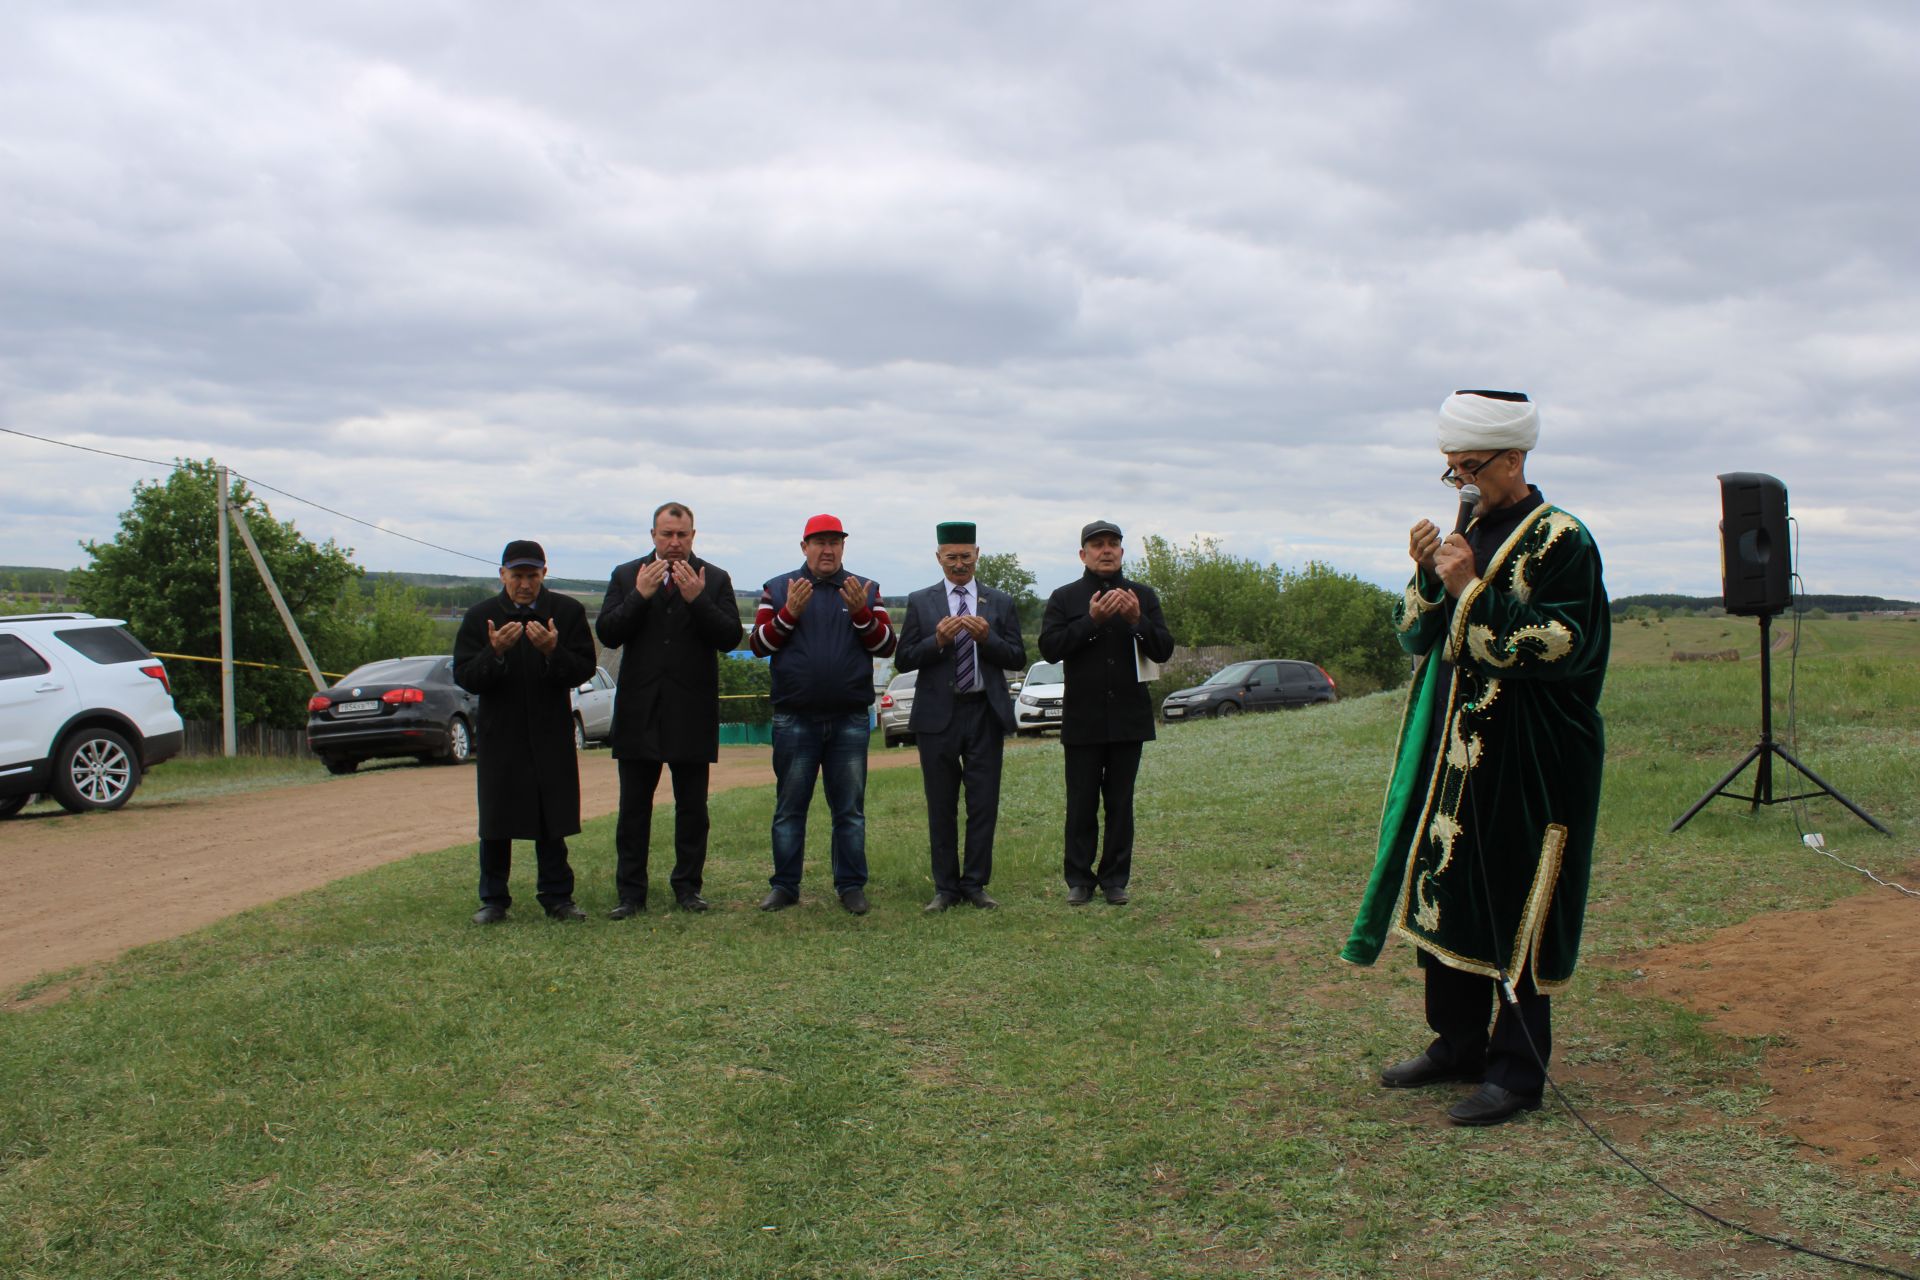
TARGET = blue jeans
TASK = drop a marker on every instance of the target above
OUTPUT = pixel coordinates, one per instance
(805, 746)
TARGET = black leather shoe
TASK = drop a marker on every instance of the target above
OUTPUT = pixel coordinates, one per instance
(490, 915)
(626, 910)
(778, 900)
(1117, 897)
(855, 901)
(565, 911)
(941, 901)
(1417, 1072)
(692, 902)
(1079, 895)
(1492, 1104)
(979, 898)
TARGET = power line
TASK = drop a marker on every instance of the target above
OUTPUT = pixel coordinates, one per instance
(256, 483)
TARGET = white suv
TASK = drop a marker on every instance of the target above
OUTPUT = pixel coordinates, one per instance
(85, 710)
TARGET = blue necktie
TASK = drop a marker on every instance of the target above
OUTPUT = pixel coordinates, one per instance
(962, 649)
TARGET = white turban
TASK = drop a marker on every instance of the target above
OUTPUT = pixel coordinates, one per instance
(1472, 420)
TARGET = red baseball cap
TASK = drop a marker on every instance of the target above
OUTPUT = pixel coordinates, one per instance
(823, 524)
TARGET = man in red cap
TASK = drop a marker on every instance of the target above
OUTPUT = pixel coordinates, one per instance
(822, 628)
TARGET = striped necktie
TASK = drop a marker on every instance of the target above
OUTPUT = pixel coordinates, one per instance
(963, 656)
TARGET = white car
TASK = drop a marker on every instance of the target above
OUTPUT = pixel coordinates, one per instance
(85, 711)
(1042, 699)
(593, 710)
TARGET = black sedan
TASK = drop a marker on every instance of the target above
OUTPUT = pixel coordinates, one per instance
(1262, 685)
(398, 707)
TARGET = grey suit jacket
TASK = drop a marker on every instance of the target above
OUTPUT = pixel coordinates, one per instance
(1000, 652)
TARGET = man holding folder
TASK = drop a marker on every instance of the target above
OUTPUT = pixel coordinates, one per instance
(1106, 631)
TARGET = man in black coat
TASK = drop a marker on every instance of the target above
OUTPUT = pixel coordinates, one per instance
(962, 638)
(673, 614)
(521, 651)
(1101, 628)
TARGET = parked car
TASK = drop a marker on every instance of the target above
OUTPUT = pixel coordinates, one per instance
(593, 711)
(85, 711)
(1043, 691)
(1264, 684)
(395, 707)
(896, 704)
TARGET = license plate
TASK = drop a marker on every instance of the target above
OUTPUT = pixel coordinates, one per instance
(1174, 713)
(356, 708)
(1051, 713)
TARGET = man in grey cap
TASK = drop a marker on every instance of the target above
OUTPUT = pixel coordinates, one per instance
(963, 638)
(521, 651)
(1099, 628)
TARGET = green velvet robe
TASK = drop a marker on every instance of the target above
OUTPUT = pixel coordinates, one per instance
(1514, 786)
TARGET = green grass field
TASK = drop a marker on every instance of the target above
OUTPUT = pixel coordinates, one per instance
(356, 1082)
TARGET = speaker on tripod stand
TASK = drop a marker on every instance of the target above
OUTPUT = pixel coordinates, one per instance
(1756, 581)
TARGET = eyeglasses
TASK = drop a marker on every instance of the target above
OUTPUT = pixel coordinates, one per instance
(1466, 471)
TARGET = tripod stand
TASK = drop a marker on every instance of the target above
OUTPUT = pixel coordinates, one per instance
(1765, 750)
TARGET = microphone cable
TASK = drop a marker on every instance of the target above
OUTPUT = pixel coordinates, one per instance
(1509, 998)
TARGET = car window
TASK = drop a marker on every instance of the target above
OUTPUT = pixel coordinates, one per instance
(392, 670)
(902, 681)
(18, 658)
(1237, 673)
(1268, 675)
(104, 645)
(1046, 673)
(1300, 677)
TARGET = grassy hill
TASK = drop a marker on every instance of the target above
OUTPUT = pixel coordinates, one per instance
(358, 1083)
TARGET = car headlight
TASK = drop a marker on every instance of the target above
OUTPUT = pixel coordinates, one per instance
(1025, 701)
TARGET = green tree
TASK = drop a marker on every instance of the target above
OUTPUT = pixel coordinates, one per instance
(159, 573)
(1003, 572)
(393, 624)
(1341, 622)
(1208, 596)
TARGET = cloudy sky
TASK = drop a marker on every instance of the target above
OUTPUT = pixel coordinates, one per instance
(481, 270)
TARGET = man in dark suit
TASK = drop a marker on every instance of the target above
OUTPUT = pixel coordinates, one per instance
(962, 638)
(521, 651)
(1100, 628)
(674, 613)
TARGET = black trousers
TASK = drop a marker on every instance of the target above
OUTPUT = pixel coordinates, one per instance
(1098, 774)
(553, 887)
(966, 753)
(1458, 1005)
(633, 832)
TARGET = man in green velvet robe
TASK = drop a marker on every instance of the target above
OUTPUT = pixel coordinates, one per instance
(1486, 838)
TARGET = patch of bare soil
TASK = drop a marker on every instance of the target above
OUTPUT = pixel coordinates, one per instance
(1839, 989)
(83, 889)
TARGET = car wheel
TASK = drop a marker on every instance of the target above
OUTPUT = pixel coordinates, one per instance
(579, 734)
(10, 805)
(95, 769)
(340, 764)
(459, 742)
(1227, 709)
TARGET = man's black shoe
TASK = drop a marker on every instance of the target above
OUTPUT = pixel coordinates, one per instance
(979, 898)
(1079, 895)
(1422, 1070)
(490, 914)
(565, 911)
(855, 901)
(1117, 896)
(941, 901)
(691, 902)
(626, 910)
(778, 900)
(1492, 1104)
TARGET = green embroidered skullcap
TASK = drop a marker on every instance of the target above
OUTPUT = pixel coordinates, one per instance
(960, 531)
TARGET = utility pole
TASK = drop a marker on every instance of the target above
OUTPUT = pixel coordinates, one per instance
(273, 593)
(228, 739)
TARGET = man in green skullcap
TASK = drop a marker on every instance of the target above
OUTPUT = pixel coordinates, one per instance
(962, 638)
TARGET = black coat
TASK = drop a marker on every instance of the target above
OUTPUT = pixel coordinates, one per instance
(1105, 700)
(1002, 651)
(528, 775)
(667, 706)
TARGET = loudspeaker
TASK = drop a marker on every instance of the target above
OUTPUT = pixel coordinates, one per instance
(1755, 566)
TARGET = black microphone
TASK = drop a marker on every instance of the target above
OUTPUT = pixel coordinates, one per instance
(1469, 502)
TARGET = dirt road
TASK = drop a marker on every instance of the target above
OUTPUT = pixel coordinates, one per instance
(83, 890)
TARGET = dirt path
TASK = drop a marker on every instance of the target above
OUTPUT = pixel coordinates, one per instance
(84, 890)
(1840, 987)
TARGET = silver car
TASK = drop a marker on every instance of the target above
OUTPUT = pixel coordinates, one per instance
(896, 704)
(593, 710)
